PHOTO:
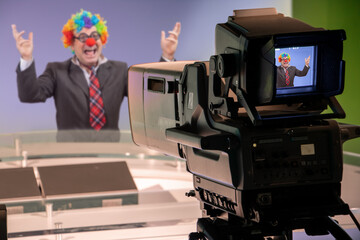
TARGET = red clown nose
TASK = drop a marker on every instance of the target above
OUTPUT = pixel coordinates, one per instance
(90, 42)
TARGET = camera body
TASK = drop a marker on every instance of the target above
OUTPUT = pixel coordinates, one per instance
(256, 151)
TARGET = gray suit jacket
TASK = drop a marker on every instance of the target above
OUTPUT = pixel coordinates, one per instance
(66, 82)
(293, 71)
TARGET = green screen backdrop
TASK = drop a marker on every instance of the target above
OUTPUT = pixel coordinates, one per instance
(344, 14)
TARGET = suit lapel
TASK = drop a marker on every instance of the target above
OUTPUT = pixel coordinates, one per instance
(103, 74)
(281, 72)
(292, 72)
(77, 77)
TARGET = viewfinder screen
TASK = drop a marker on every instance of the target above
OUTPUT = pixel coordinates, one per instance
(295, 69)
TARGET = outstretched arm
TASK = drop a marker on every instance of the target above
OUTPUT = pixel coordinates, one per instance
(24, 46)
(307, 61)
(169, 44)
(31, 88)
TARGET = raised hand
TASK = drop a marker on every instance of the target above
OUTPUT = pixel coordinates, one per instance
(169, 44)
(307, 61)
(24, 46)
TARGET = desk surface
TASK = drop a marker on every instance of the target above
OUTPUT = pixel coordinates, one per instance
(162, 211)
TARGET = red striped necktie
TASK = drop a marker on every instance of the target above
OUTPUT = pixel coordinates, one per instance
(97, 113)
(287, 77)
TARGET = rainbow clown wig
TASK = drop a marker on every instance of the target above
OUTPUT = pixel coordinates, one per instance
(80, 20)
(283, 55)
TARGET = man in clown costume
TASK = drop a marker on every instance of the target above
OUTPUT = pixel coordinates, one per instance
(287, 73)
(88, 89)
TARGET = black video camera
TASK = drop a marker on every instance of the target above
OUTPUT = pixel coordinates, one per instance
(264, 156)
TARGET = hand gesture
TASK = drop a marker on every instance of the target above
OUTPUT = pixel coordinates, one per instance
(307, 61)
(24, 46)
(169, 44)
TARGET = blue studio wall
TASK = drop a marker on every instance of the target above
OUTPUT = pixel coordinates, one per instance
(134, 27)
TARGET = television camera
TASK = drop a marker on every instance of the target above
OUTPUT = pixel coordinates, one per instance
(265, 159)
